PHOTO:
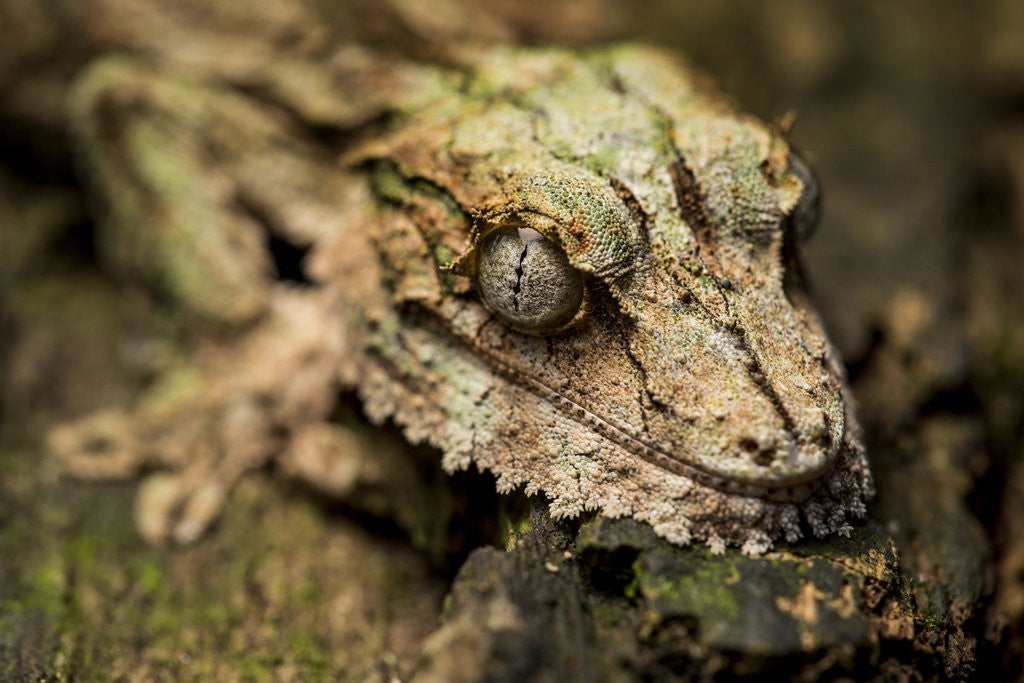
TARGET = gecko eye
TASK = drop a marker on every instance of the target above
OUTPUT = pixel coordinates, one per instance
(527, 280)
(808, 207)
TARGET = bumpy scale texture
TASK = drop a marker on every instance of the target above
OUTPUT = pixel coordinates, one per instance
(694, 390)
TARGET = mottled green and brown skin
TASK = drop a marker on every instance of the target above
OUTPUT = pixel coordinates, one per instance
(695, 389)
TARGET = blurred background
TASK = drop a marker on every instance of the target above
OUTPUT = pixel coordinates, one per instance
(911, 112)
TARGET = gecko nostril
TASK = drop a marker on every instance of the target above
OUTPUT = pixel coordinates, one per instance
(759, 454)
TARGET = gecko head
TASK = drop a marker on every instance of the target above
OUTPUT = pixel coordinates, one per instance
(632, 262)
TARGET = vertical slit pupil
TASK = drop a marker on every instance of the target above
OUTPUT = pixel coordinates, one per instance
(518, 287)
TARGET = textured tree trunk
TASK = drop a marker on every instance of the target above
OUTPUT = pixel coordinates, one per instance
(917, 271)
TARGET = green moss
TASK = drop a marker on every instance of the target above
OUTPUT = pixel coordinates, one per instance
(607, 614)
(707, 591)
(307, 650)
(48, 582)
(149, 577)
(632, 589)
(389, 185)
(513, 524)
(253, 670)
(604, 160)
(443, 255)
(214, 614)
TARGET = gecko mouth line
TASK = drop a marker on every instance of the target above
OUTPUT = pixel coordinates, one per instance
(620, 435)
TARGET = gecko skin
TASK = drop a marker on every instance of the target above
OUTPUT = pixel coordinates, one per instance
(576, 270)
